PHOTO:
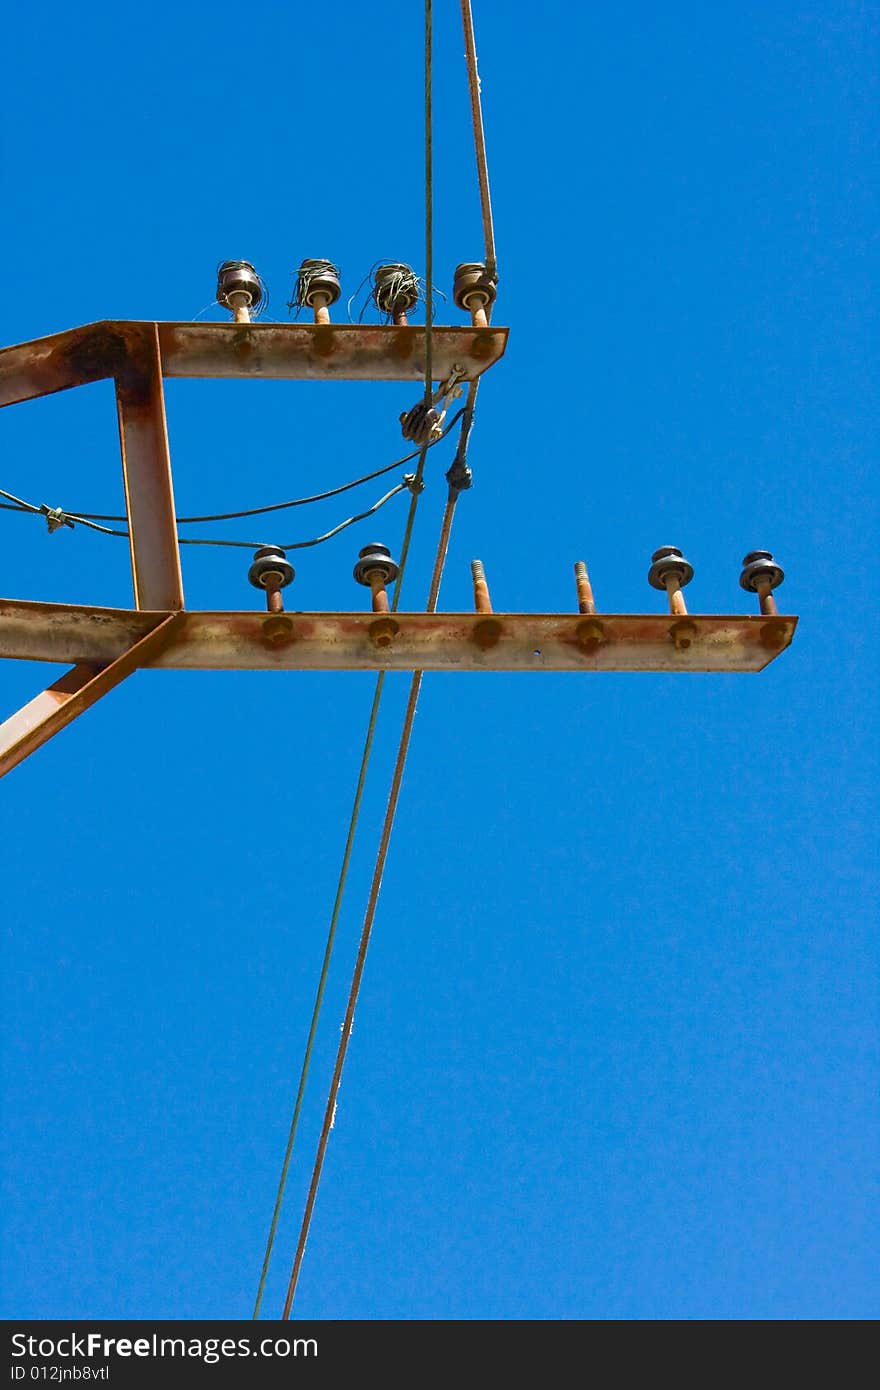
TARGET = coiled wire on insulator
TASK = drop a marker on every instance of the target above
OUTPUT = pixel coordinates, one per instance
(316, 279)
(396, 290)
(240, 278)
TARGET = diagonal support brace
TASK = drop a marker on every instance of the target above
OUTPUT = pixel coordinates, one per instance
(52, 710)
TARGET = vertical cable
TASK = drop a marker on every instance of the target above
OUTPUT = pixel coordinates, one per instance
(470, 47)
(409, 715)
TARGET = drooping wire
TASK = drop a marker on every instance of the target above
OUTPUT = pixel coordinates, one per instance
(83, 517)
(410, 481)
(406, 731)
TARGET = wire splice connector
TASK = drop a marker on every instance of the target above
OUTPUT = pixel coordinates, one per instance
(55, 518)
(423, 423)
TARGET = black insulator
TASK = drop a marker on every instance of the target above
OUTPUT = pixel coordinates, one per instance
(760, 565)
(375, 559)
(238, 277)
(668, 561)
(271, 568)
(473, 286)
(395, 289)
(420, 423)
(316, 279)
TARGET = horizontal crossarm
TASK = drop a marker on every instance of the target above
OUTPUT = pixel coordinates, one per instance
(404, 642)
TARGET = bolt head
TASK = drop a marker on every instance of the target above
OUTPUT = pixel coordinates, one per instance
(759, 565)
(271, 569)
(668, 562)
(375, 559)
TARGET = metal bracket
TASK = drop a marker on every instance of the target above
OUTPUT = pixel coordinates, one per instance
(52, 710)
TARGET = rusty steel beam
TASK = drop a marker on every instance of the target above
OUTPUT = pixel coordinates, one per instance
(52, 710)
(342, 352)
(427, 642)
(146, 469)
(289, 351)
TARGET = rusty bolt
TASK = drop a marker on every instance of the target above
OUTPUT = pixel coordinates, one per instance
(671, 571)
(383, 630)
(760, 575)
(586, 602)
(683, 634)
(487, 632)
(482, 601)
(474, 291)
(590, 634)
(277, 629)
(376, 569)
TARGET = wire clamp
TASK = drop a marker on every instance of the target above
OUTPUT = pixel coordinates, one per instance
(414, 483)
(423, 424)
(55, 518)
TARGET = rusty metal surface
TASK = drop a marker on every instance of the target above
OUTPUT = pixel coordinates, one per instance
(364, 352)
(53, 709)
(146, 469)
(429, 642)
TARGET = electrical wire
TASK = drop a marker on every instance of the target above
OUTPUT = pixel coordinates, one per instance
(407, 483)
(369, 917)
(467, 20)
(83, 517)
(406, 731)
(411, 482)
(322, 980)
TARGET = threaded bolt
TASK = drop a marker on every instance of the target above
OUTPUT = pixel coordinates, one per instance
(482, 600)
(586, 602)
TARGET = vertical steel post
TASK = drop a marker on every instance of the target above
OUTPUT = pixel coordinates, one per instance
(146, 469)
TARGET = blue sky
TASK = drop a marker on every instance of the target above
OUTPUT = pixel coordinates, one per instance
(616, 1054)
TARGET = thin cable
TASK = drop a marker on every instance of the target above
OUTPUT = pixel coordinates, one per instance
(409, 716)
(372, 901)
(429, 200)
(467, 20)
(411, 482)
(416, 490)
(20, 505)
(408, 482)
(322, 981)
